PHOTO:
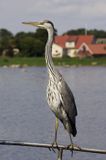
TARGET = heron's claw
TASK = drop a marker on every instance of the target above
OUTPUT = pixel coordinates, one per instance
(72, 146)
(55, 144)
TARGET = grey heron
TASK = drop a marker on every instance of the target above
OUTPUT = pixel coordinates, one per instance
(59, 96)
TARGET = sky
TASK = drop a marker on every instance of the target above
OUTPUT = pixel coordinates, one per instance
(65, 14)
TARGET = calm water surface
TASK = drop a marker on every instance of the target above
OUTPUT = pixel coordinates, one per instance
(25, 116)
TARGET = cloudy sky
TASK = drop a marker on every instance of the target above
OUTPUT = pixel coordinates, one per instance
(66, 14)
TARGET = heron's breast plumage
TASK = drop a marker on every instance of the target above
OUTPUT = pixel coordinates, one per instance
(54, 101)
(53, 97)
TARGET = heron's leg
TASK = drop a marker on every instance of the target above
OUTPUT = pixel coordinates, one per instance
(72, 145)
(60, 154)
(71, 139)
(56, 129)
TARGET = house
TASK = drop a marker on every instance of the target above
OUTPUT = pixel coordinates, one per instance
(64, 45)
(67, 45)
(88, 39)
(88, 50)
(71, 46)
(101, 40)
(58, 48)
(10, 52)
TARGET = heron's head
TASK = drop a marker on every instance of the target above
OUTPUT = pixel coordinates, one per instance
(44, 24)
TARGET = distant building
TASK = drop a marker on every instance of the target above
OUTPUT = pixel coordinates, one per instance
(88, 50)
(16, 51)
(59, 45)
(88, 39)
(67, 45)
(101, 41)
(10, 52)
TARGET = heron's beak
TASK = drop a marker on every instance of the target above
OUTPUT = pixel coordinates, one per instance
(37, 24)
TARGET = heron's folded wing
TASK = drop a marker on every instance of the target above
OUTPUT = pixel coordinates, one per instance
(68, 100)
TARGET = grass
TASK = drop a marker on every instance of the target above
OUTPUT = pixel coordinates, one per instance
(33, 61)
(22, 61)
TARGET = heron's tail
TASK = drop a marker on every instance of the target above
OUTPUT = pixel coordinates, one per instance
(71, 128)
(74, 130)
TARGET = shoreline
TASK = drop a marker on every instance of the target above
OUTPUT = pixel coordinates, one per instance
(21, 62)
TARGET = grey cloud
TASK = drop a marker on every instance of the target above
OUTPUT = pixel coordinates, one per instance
(65, 13)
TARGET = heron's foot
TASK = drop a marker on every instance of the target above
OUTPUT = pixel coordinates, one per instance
(55, 145)
(72, 146)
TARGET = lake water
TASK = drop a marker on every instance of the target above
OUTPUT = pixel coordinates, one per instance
(25, 116)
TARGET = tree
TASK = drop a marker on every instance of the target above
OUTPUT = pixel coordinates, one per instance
(41, 34)
(29, 45)
(76, 31)
(4, 33)
(81, 31)
(6, 38)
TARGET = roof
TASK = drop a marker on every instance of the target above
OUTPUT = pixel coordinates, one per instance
(73, 38)
(95, 49)
(98, 49)
(61, 40)
(78, 39)
(88, 39)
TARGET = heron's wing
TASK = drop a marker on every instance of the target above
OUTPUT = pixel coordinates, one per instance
(68, 101)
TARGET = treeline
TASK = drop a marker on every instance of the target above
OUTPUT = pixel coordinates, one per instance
(29, 44)
(83, 31)
(33, 43)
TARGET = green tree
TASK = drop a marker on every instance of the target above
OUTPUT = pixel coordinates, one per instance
(18, 39)
(81, 31)
(41, 34)
(6, 39)
(27, 46)
(31, 44)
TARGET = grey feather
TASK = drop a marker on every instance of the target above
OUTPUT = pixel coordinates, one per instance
(68, 103)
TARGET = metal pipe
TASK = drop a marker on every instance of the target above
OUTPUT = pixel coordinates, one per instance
(49, 146)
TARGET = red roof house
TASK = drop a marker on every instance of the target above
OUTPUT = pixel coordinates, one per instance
(78, 39)
(88, 39)
(61, 40)
(92, 50)
(69, 44)
(59, 45)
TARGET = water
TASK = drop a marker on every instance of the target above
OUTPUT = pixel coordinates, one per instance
(25, 116)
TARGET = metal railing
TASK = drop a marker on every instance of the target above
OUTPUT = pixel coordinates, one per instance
(60, 148)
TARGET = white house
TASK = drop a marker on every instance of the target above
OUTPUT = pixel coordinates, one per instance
(64, 45)
(67, 45)
(57, 51)
(71, 50)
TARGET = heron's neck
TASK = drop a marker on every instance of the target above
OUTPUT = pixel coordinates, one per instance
(48, 54)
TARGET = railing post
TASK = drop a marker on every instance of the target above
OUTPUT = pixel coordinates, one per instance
(60, 154)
